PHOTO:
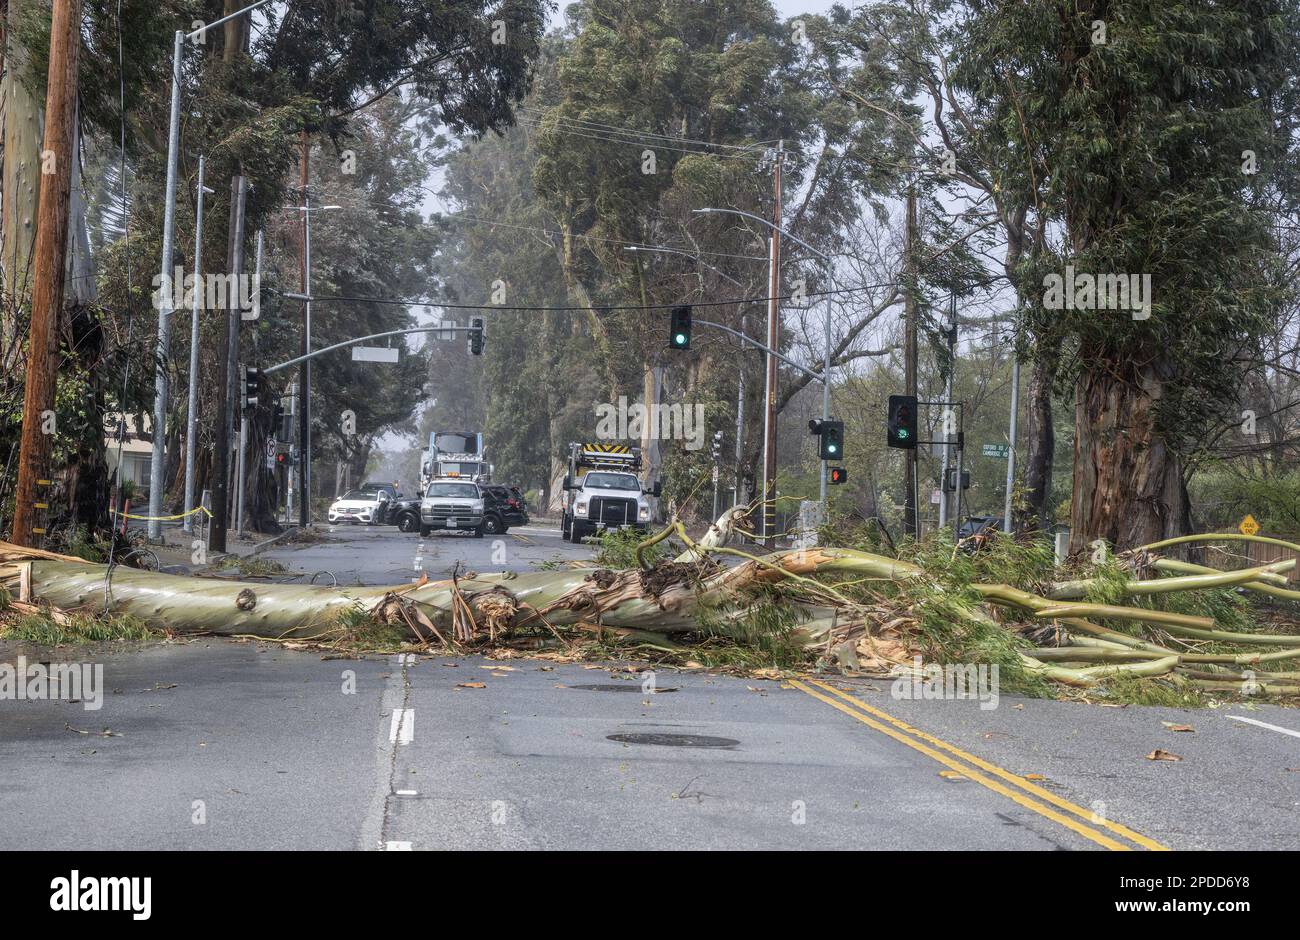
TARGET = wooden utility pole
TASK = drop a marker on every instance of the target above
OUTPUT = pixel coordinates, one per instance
(221, 449)
(909, 363)
(773, 337)
(31, 500)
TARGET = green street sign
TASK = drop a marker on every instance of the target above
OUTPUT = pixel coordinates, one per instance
(1002, 451)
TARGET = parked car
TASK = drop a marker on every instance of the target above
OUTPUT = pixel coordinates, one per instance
(453, 504)
(356, 506)
(385, 495)
(503, 507)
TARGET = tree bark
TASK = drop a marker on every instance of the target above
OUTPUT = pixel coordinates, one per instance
(1041, 436)
(21, 175)
(1128, 482)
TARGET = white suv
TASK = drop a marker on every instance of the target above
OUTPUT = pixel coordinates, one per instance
(355, 506)
(453, 504)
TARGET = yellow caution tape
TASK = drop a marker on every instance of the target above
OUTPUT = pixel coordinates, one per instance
(127, 515)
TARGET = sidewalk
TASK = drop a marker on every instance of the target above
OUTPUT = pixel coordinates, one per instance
(178, 549)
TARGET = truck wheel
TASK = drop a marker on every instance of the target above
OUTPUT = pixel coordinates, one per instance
(425, 530)
(576, 533)
(564, 528)
(478, 531)
(407, 522)
(491, 525)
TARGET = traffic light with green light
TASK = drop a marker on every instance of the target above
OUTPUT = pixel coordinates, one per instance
(902, 422)
(679, 336)
(832, 440)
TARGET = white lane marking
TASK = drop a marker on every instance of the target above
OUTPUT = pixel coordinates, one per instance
(402, 730)
(1265, 724)
(407, 792)
(397, 846)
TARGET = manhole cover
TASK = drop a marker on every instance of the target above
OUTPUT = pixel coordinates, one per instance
(673, 740)
(610, 687)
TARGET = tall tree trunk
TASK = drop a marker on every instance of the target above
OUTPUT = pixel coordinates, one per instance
(1128, 482)
(21, 179)
(1041, 436)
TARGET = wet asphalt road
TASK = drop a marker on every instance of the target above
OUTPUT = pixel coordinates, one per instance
(220, 744)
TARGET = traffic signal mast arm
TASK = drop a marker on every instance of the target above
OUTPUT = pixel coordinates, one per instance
(819, 376)
(361, 339)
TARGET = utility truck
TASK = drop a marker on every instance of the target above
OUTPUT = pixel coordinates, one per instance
(603, 491)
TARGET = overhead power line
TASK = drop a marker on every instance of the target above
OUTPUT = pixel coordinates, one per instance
(654, 145)
(543, 115)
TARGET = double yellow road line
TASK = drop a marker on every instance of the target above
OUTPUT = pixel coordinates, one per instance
(1003, 782)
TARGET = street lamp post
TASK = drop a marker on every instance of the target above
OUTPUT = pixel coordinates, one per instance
(304, 381)
(157, 474)
(826, 359)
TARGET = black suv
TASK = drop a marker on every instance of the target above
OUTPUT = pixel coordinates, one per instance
(403, 513)
(503, 507)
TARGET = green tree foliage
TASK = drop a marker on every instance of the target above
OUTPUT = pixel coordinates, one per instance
(642, 113)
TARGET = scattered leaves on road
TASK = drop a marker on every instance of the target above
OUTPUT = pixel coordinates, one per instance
(106, 733)
(471, 685)
(1176, 727)
(1159, 754)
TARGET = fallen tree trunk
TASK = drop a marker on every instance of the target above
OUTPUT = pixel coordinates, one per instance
(848, 606)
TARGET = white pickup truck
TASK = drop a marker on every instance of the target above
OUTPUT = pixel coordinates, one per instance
(452, 504)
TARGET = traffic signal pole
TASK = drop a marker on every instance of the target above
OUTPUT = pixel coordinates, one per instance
(911, 523)
(227, 396)
(240, 521)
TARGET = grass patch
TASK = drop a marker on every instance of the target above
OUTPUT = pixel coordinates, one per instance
(1137, 690)
(250, 566)
(78, 628)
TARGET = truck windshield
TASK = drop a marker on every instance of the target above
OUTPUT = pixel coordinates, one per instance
(454, 443)
(453, 490)
(611, 481)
